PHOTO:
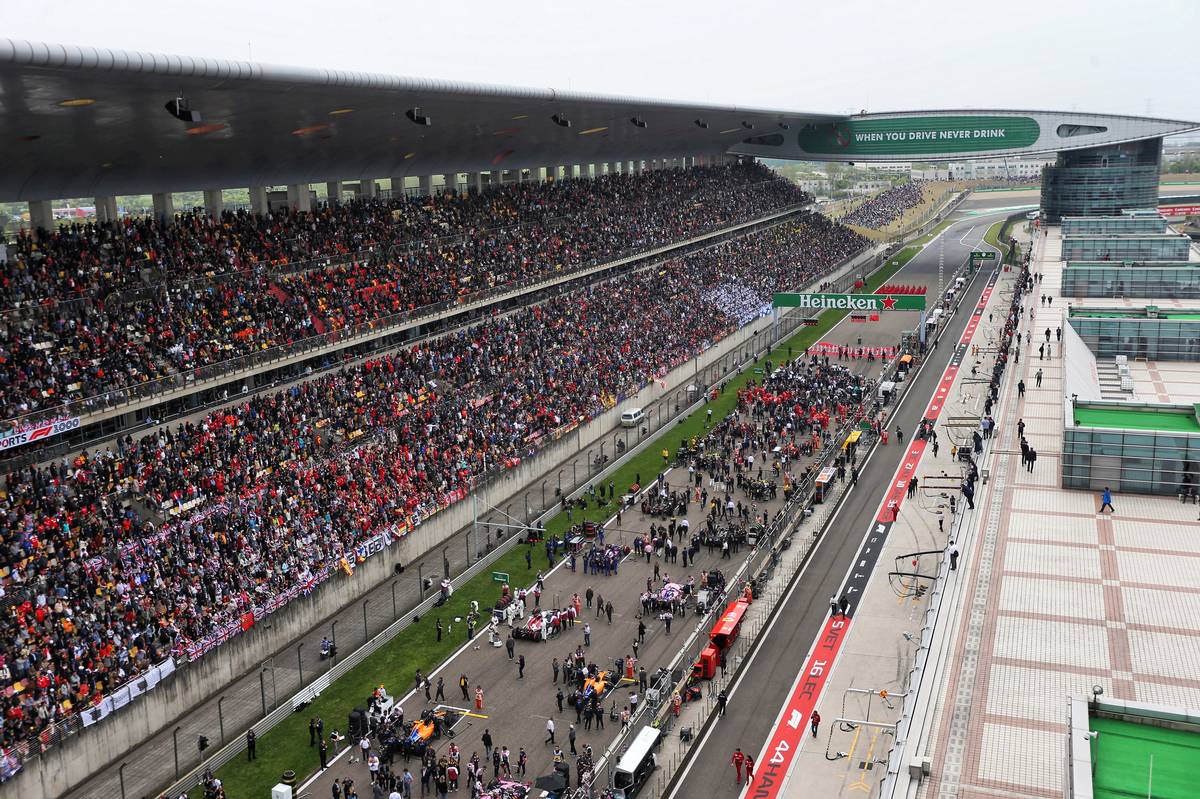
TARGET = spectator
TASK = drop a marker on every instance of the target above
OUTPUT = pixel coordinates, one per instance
(888, 206)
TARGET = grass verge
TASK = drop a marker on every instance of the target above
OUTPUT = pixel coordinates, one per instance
(395, 664)
(998, 236)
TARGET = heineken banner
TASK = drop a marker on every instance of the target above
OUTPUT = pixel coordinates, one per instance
(917, 135)
(852, 302)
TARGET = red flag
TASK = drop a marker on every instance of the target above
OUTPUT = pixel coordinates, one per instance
(247, 620)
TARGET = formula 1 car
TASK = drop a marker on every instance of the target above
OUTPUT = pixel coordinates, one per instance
(505, 789)
(545, 624)
(595, 686)
(431, 725)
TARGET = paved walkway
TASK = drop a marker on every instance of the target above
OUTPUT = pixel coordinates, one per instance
(1062, 598)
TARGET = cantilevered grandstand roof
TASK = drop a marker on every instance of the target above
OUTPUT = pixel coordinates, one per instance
(84, 121)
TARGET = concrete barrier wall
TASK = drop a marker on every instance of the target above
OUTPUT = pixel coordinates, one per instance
(71, 762)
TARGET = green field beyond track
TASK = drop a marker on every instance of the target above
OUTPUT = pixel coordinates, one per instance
(1137, 760)
(1137, 419)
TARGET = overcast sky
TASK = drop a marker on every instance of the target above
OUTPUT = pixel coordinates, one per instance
(1117, 56)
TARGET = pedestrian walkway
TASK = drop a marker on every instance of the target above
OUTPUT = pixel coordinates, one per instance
(1057, 598)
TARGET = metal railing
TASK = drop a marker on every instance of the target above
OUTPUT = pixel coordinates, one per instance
(271, 269)
(229, 370)
(366, 346)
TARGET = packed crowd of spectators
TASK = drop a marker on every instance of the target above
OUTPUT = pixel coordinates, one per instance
(100, 308)
(886, 207)
(283, 486)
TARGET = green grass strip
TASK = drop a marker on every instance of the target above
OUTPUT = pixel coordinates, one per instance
(1138, 760)
(395, 664)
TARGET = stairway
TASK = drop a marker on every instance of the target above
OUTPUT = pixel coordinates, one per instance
(1110, 382)
(275, 291)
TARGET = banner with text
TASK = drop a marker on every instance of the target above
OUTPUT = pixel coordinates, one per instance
(19, 436)
(851, 302)
(920, 135)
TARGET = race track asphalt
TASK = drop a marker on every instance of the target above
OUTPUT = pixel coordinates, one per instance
(763, 687)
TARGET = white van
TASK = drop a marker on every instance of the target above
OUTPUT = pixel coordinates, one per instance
(637, 764)
(632, 417)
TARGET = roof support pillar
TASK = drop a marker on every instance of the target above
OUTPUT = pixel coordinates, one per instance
(450, 182)
(299, 197)
(106, 209)
(333, 192)
(425, 185)
(41, 215)
(398, 187)
(258, 199)
(214, 203)
(164, 205)
(475, 181)
(367, 190)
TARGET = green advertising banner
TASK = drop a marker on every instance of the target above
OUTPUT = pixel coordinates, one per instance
(852, 302)
(983, 255)
(934, 135)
